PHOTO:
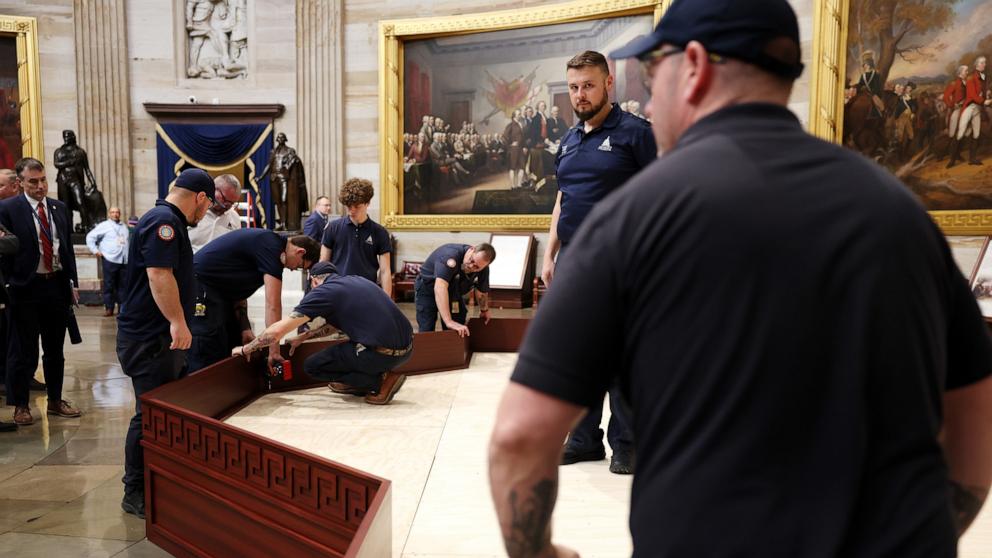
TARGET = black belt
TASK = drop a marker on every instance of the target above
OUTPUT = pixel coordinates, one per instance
(393, 352)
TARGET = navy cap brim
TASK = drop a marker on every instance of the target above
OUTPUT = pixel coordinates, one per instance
(638, 47)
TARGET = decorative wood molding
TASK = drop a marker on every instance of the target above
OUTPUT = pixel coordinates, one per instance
(172, 112)
(279, 499)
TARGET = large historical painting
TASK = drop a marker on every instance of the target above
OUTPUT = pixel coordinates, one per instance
(10, 110)
(472, 109)
(20, 107)
(484, 113)
(917, 99)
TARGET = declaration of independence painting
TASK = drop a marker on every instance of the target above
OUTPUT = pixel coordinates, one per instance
(917, 96)
(483, 113)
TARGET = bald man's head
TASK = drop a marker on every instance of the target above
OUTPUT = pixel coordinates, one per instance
(9, 187)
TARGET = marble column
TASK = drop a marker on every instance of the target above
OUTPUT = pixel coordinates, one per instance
(319, 96)
(102, 97)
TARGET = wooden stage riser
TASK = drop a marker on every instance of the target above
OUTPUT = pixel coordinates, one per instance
(216, 490)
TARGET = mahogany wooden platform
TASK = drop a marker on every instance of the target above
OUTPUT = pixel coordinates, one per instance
(216, 490)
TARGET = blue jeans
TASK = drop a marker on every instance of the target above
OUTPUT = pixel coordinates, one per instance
(346, 364)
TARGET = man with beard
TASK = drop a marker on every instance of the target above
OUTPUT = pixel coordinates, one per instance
(153, 326)
(596, 156)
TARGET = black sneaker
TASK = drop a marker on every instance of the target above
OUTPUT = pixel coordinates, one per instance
(575, 455)
(134, 503)
(622, 462)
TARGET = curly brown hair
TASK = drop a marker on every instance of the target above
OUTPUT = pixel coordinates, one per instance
(356, 191)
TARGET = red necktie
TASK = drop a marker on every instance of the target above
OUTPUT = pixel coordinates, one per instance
(46, 243)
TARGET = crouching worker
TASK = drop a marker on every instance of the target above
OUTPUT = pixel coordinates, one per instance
(380, 337)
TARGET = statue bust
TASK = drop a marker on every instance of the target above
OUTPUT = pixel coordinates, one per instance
(77, 187)
(287, 183)
(217, 38)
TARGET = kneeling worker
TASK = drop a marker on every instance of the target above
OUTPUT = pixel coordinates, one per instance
(446, 278)
(230, 269)
(380, 337)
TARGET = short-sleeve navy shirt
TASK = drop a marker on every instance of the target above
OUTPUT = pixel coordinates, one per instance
(783, 318)
(355, 249)
(446, 263)
(360, 309)
(591, 165)
(235, 265)
(160, 240)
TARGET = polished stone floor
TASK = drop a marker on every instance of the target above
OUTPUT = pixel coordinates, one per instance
(60, 486)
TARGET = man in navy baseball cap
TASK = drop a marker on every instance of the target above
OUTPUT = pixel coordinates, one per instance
(801, 409)
(764, 33)
(196, 180)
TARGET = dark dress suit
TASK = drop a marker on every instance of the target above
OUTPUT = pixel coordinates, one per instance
(39, 304)
(314, 226)
(8, 247)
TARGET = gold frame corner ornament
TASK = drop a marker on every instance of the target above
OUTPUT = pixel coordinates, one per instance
(393, 33)
(826, 111)
(25, 31)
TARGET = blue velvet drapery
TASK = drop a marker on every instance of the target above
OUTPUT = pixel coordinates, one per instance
(214, 147)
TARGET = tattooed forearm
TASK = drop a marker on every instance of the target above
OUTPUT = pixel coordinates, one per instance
(322, 332)
(967, 502)
(530, 522)
(262, 340)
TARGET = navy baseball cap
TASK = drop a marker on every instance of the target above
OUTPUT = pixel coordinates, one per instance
(196, 180)
(322, 268)
(740, 29)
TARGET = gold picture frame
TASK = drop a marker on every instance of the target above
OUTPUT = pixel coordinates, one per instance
(25, 31)
(830, 36)
(393, 34)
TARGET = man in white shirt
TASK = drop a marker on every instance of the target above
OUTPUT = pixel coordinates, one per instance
(222, 217)
(108, 241)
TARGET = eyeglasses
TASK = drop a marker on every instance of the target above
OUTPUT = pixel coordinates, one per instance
(650, 59)
(221, 201)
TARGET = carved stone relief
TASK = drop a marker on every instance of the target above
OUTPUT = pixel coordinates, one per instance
(216, 39)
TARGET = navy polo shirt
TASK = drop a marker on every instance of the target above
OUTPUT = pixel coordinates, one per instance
(360, 309)
(446, 263)
(591, 165)
(355, 249)
(235, 265)
(160, 240)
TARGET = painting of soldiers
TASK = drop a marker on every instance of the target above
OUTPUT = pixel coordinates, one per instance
(918, 100)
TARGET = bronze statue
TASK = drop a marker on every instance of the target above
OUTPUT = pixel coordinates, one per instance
(287, 183)
(77, 187)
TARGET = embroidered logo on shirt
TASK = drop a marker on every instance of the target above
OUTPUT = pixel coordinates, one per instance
(166, 233)
(452, 263)
(368, 241)
(605, 146)
(564, 149)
